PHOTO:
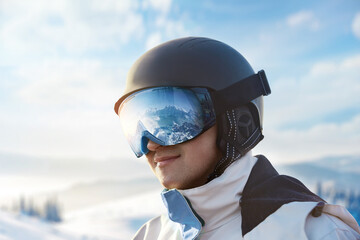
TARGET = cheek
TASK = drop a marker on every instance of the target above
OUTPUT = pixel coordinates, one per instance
(150, 160)
(203, 155)
(206, 147)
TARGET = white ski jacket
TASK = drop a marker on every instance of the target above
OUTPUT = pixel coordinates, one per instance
(213, 212)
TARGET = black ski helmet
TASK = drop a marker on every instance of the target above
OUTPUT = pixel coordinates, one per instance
(190, 62)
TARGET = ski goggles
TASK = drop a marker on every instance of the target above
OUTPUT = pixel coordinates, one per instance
(166, 116)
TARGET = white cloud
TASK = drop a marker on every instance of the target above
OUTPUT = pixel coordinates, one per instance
(303, 19)
(162, 6)
(49, 27)
(153, 40)
(328, 139)
(64, 108)
(42, 28)
(356, 25)
(327, 88)
(172, 28)
(68, 83)
(111, 5)
(69, 134)
(165, 26)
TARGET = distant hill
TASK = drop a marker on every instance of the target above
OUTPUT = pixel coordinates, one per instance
(83, 195)
(342, 172)
(78, 183)
(346, 164)
(12, 164)
(119, 219)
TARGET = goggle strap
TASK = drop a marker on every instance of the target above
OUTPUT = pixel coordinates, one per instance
(241, 93)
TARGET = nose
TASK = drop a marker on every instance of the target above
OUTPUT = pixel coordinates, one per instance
(152, 146)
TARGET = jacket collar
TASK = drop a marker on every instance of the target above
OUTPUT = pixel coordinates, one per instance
(266, 191)
(217, 202)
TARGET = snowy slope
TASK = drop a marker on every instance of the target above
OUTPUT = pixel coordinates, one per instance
(115, 220)
(19, 227)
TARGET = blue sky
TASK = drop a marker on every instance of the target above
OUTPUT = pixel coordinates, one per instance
(63, 65)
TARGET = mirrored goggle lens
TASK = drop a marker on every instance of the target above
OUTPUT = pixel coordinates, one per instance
(165, 115)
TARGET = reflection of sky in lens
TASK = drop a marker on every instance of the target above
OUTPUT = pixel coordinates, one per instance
(159, 98)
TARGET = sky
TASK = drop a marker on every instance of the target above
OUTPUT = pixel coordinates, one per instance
(63, 65)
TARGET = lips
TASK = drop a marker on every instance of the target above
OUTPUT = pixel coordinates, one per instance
(165, 160)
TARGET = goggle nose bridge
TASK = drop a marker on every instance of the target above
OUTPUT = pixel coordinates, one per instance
(145, 137)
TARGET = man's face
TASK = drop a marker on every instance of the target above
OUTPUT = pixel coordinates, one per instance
(185, 165)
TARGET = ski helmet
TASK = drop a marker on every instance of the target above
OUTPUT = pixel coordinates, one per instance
(191, 62)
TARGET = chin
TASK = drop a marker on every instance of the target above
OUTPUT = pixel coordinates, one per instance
(178, 186)
(170, 184)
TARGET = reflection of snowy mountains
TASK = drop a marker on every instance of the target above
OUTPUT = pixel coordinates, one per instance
(170, 111)
(183, 124)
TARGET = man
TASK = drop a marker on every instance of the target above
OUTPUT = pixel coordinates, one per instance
(194, 107)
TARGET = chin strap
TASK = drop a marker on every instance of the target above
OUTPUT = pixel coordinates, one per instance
(237, 134)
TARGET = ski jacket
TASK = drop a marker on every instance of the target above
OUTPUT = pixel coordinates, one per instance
(250, 200)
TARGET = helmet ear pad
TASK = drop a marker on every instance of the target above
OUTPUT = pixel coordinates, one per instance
(239, 127)
(238, 132)
(245, 123)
